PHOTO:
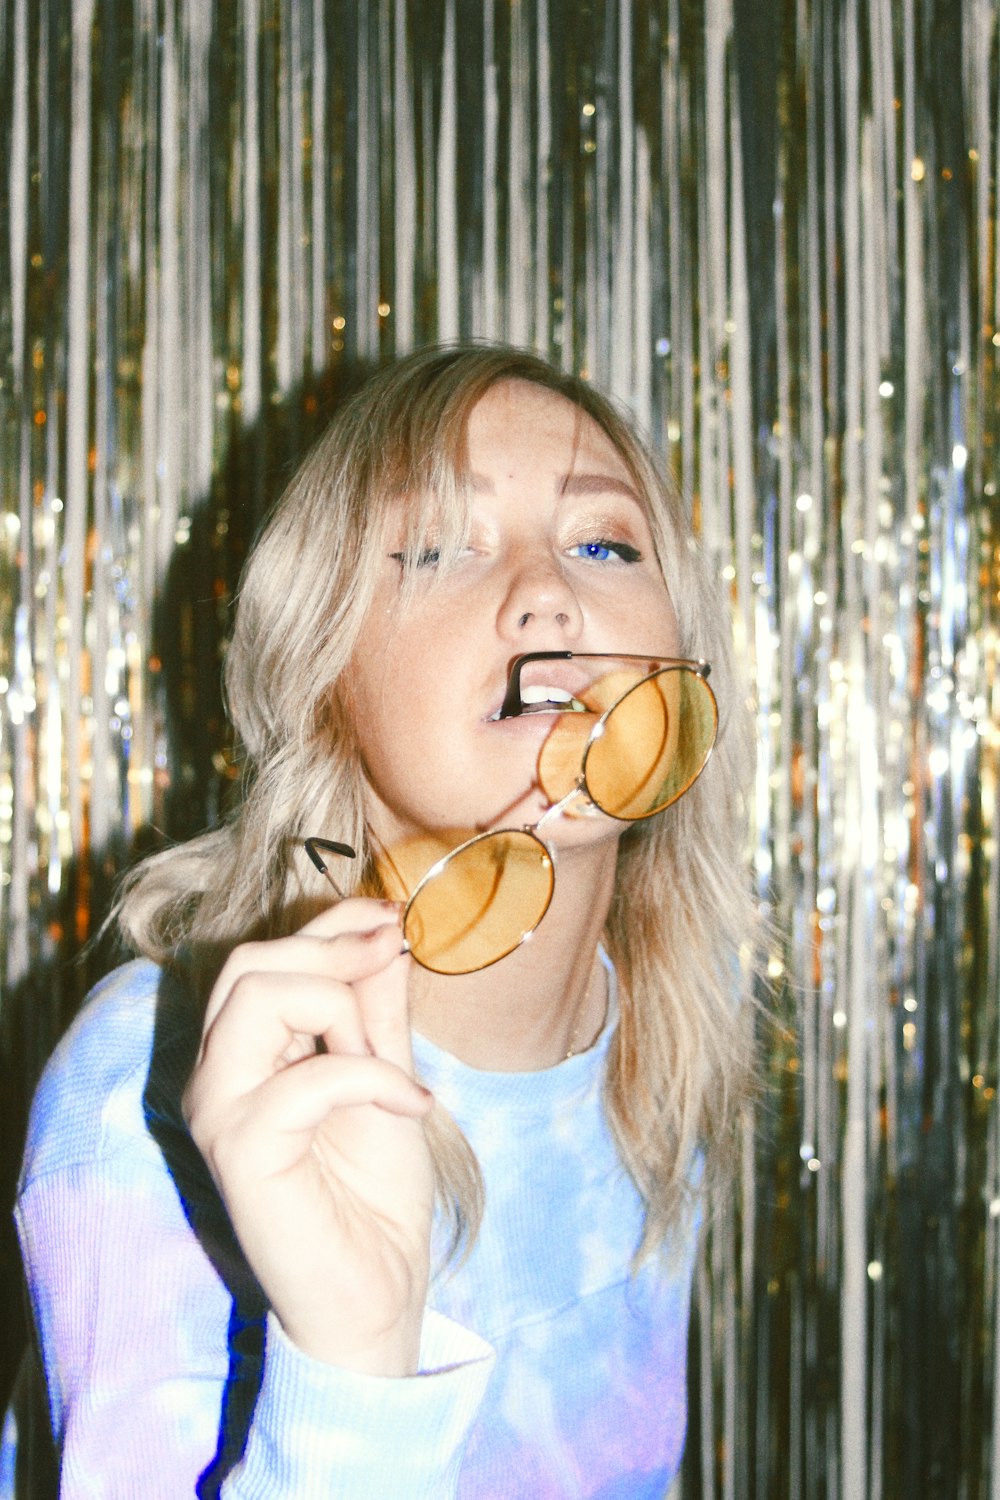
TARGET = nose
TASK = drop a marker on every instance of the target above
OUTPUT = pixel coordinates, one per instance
(539, 595)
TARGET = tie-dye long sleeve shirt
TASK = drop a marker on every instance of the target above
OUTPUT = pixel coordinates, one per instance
(548, 1369)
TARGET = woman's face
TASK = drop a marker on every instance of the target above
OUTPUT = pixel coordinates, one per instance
(560, 557)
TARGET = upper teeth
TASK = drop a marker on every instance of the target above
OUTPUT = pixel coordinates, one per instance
(545, 695)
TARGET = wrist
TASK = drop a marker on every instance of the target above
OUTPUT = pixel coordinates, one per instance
(391, 1352)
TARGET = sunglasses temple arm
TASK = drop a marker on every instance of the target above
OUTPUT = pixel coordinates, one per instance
(564, 805)
(512, 706)
(313, 846)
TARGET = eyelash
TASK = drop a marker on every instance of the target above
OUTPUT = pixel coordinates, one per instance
(622, 550)
(428, 558)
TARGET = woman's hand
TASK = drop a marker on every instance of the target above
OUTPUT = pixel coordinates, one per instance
(320, 1155)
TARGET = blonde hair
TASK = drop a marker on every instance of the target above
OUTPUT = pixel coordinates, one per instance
(680, 1062)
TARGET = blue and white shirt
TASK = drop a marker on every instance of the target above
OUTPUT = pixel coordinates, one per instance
(548, 1369)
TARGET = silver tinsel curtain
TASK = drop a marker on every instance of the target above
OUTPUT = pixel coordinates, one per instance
(769, 227)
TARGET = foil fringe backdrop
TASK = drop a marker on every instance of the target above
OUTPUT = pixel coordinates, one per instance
(770, 230)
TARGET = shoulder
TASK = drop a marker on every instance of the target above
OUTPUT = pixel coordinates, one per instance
(89, 1102)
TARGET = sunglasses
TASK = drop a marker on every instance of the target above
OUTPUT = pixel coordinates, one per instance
(633, 733)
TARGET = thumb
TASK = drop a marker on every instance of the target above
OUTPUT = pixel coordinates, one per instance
(383, 1000)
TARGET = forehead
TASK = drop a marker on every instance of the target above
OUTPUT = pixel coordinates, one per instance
(520, 431)
(516, 421)
(521, 434)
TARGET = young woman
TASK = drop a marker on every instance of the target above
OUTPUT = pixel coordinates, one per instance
(397, 1194)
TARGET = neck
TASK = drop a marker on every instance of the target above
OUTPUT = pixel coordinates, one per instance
(543, 1002)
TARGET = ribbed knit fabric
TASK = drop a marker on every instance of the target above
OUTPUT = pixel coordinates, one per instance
(547, 1369)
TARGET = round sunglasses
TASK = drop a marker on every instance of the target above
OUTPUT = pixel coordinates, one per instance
(646, 725)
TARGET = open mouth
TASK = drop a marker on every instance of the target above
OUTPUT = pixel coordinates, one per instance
(545, 688)
(544, 698)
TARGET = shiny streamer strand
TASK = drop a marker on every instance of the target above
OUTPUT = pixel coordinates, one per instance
(771, 232)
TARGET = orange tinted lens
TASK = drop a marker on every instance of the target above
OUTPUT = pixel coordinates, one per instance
(479, 903)
(652, 745)
(562, 752)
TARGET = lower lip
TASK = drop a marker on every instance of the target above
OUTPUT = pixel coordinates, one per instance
(546, 717)
(524, 725)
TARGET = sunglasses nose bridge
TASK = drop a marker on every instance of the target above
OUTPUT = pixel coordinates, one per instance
(563, 806)
(466, 894)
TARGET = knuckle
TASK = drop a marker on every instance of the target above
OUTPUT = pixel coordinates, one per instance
(248, 986)
(248, 958)
(221, 1154)
(251, 992)
(352, 914)
(195, 1101)
(193, 1115)
(189, 1108)
(222, 1143)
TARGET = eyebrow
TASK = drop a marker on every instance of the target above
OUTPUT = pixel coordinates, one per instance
(596, 484)
(573, 484)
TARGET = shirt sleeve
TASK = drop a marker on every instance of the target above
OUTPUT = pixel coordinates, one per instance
(136, 1329)
(319, 1430)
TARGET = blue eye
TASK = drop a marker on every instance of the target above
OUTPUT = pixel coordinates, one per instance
(601, 551)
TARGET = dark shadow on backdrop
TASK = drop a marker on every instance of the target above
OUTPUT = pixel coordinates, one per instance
(191, 624)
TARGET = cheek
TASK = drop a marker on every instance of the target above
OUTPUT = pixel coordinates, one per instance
(400, 678)
(393, 702)
(379, 668)
(425, 664)
(370, 693)
(398, 640)
(672, 630)
(652, 616)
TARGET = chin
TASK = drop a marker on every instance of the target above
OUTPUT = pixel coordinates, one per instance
(591, 831)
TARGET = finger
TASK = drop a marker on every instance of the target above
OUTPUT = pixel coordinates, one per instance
(383, 1003)
(264, 1014)
(345, 956)
(285, 1112)
(353, 914)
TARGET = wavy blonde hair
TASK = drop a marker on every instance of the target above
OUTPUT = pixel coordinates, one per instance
(681, 917)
